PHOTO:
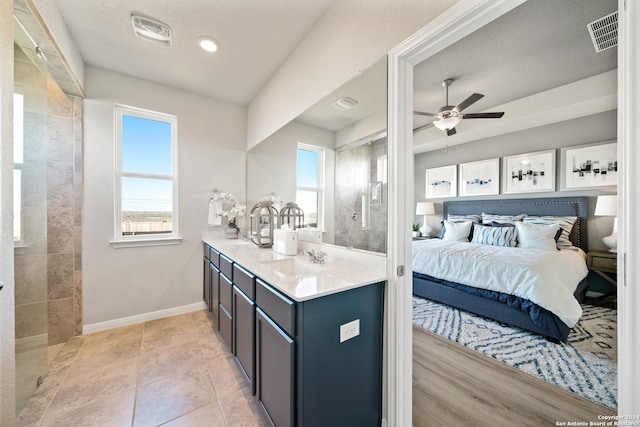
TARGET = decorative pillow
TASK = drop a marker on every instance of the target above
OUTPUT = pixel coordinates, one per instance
(505, 219)
(537, 236)
(475, 219)
(495, 236)
(458, 218)
(501, 224)
(458, 231)
(563, 222)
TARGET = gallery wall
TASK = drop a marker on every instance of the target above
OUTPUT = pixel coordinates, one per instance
(585, 130)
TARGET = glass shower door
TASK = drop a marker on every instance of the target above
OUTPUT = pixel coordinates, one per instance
(30, 215)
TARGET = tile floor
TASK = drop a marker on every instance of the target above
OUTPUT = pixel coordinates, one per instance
(171, 372)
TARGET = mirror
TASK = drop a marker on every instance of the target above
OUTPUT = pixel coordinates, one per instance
(332, 161)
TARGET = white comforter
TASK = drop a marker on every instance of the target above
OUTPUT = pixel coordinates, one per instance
(546, 278)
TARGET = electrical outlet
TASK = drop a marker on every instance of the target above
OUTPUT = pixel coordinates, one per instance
(349, 330)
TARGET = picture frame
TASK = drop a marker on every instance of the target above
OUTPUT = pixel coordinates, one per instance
(480, 178)
(441, 182)
(589, 166)
(529, 172)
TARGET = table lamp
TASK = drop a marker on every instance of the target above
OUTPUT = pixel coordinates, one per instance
(608, 206)
(425, 208)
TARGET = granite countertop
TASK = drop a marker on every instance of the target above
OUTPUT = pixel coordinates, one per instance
(295, 276)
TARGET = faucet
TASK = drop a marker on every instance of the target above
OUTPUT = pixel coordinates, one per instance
(315, 257)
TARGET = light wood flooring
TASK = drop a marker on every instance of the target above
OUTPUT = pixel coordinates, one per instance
(455, 386)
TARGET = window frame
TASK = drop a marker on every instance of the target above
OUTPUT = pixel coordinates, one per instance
(320, 189)
(153, 239)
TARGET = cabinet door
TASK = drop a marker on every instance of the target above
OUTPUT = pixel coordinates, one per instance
(206, 284)
(214, 280)
(244, 318)
(274, 371)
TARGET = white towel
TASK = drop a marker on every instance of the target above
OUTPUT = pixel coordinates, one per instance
(214, 209)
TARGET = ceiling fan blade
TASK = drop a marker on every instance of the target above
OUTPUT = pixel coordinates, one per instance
(422, 113)
(423, 127)
(451, 131)
(495, 115)
(467, 102)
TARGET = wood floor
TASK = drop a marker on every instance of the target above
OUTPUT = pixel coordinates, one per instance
(455, 386)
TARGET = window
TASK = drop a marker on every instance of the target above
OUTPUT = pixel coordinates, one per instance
(18, 160)
(309, 184)
(146, 176)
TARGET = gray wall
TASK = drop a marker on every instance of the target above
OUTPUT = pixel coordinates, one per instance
(590, 129)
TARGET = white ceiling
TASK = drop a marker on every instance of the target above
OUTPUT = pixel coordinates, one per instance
(255, 37)
(540, 45)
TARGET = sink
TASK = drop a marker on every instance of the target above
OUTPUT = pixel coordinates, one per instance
(292, 267)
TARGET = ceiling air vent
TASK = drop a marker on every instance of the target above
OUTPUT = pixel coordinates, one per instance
(604, 32)
(151, 30)
(345, 103)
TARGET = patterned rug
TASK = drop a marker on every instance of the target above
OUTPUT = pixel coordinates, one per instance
(586, 366)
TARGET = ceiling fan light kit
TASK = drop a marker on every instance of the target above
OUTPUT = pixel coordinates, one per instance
(449, 116)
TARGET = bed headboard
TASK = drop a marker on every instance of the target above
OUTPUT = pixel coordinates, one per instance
(557, 206)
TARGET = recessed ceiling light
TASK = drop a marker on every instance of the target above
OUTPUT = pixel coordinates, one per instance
(207, 43)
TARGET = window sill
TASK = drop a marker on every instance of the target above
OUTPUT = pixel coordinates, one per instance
(20, 249)
(136, 243)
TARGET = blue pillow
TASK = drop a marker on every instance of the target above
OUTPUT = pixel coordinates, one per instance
(496, 236)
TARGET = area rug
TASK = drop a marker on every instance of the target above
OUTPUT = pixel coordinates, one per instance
(586, 366)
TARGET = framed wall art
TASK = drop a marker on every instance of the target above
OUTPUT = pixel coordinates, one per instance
(441, 182)
(480, 178)
(589, 166)
(529, 172)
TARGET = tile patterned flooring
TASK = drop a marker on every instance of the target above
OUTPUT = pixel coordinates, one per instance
(171, 372)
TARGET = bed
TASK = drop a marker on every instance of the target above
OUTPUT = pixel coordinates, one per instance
(505, 306)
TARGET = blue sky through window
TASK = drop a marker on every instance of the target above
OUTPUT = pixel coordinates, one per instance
(146, 146)
(307, 168)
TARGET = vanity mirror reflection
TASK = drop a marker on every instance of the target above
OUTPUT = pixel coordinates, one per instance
(332, 161)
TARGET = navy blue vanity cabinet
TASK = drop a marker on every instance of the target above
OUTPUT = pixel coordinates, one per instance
(225, 312)
(275, 371)
(244, 317)
(206, 283)
(214, 284)
(305, 375)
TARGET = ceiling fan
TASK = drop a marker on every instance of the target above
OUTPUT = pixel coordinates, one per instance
(448, 117)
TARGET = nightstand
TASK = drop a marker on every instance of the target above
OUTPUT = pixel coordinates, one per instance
(605, 265)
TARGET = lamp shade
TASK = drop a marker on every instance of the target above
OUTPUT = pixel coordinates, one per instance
(425, 208)
(607, 206)
(447, 123)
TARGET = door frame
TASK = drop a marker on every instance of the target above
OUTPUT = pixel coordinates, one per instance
(459, 21)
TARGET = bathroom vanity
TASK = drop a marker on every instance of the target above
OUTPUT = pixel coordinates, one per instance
(308, 337)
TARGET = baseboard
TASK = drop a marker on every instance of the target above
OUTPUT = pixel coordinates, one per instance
(139, 318)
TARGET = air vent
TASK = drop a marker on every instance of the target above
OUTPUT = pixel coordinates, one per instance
(604, 32)
(151, 30)
(345, 103)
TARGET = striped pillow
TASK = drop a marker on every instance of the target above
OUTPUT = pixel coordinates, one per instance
(495, 236)
(563, 222)
(456, 218)
(504, 219)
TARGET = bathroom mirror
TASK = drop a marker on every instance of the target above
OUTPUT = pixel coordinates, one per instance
(332, 161)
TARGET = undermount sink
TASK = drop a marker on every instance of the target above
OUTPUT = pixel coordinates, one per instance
(292, 267)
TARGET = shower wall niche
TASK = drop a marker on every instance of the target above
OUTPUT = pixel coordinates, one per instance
(361, 195)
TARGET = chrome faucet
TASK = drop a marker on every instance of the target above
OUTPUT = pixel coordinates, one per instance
(315, 257)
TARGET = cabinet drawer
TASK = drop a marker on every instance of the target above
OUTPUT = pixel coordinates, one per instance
(604, 263)
(225, 293)
(206, 248)
(214, 257)
(226, 266)
(245, 281)
(278, 307)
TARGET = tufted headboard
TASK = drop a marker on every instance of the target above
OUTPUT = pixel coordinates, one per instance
(556, 206)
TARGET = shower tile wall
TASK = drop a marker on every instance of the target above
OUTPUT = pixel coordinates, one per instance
(64, 214)
(52, 196)
(357, 168)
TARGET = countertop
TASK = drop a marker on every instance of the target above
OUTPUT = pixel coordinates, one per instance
(297, 278)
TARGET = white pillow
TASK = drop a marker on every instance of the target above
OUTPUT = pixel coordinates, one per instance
(458, 231)
(535, 236)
